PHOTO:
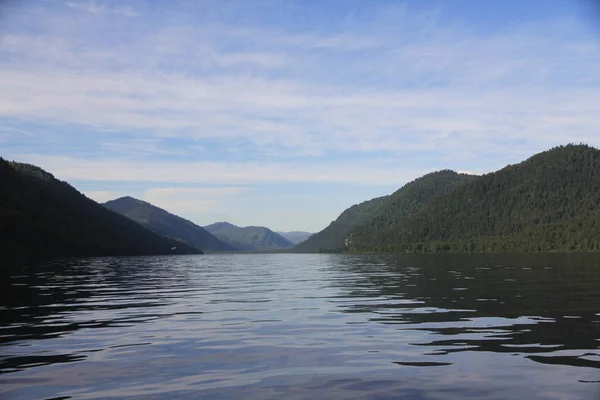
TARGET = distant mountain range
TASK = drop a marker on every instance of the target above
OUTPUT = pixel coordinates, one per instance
(218, 237)
(295, 236)
(249, 238)
(43, 218)
(168, 224)
(550, 202)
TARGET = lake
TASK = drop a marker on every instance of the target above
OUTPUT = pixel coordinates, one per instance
(295, 326)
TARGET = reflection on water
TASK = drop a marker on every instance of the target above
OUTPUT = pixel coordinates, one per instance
(297, 326)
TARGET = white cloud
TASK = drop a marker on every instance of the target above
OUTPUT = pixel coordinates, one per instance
(74, 169)
(190, 200)
(266, 113)
(96, 7)
(494, 88)
(376, 99)
(177, 200)
(102, 196)
(14, 131)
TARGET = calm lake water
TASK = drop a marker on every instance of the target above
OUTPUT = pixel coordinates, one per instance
(287, 326)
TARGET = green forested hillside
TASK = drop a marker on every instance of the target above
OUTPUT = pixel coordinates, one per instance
(248, 238)
(407, 201)
(332, 238)
(549, 202)
(167, 224)
(377, 216)
(42, 217)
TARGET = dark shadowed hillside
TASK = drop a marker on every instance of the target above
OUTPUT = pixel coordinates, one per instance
(167, 224)
(42, 217)
(249, 238)
(549, 202)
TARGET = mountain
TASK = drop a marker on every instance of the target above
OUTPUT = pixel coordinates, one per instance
(405, 202)
(167, 224)
(334, 235)
(249, 238)
(549, 202)
(376, 216)
(43, 218)
(295, 236)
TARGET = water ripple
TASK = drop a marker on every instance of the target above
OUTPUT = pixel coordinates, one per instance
(298, 326)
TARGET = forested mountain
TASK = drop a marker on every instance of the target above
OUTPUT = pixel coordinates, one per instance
(295, 236)
(407, 201)
(377, 215)
(249, 238)
(167, 224)
(332, 238)
(42, 218)
(549, 202)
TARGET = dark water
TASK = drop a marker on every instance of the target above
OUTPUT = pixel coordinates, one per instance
(304, 327)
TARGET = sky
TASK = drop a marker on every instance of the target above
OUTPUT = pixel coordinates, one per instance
(285, 113)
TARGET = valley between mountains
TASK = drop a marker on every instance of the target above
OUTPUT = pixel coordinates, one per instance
(548, 202)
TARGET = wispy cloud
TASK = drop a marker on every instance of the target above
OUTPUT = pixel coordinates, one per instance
(190, 200)
(196, 200)
(97, 7)
(8, 130)
(503, 90)
(102, 196)
(114, 170)
(372, 95)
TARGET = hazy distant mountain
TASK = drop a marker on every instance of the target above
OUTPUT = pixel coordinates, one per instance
(167, 224)
(249, 238)
(295, 236)
(42, 218)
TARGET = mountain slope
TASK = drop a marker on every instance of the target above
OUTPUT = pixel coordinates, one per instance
(407, 201)
(295, 236)
(249, 238)
(167, 224)
(42, 217)
(334, 235)
(375, 216)
(549, 202)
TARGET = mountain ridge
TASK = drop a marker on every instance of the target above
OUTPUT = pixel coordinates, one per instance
(167, 224)
(409, 200)
(548, 202)
(404, 201)
(43, 218)
(248, 238)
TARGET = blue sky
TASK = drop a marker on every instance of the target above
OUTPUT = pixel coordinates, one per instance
(284, 113)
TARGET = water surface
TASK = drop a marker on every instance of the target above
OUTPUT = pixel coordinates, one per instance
(323, 326)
